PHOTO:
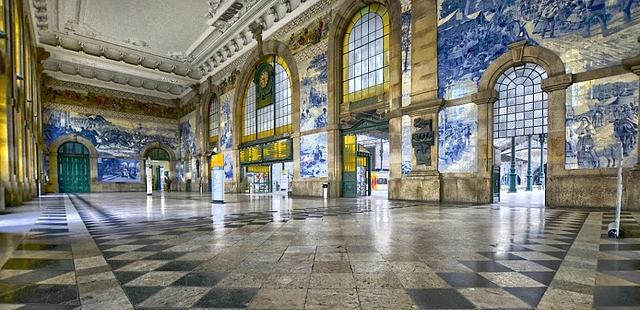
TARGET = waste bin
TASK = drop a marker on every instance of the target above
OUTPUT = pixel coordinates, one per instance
(325, 190)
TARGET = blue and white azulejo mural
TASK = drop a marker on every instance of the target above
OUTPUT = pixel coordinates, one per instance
(117, 170)
(406, 144)
(406, 58)
(188, 135)
(473, 33)
(600, 114)
(226, 120)
(313, 93)
(112, 137)
(228, 167)
(458, 139)
(313, 155)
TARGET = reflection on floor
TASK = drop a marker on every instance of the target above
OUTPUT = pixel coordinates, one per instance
(126, 250)
(533, 198)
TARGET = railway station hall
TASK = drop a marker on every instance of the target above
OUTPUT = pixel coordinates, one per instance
(319, 154)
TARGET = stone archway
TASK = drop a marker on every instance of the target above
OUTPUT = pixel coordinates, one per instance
(337, 112)
(52, 154)
(557, 81)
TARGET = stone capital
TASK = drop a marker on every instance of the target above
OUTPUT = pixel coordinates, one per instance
(485, 97)
(557, 82)
(632, 64)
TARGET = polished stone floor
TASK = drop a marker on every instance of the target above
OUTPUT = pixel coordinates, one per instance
(177, 251)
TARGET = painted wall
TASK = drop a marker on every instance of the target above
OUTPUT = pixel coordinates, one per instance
(117, 170)
(118, 138)
(406, 57)
(228, 166)
(112, 136)
(458, 139)
(407, 150)
(188, 135)
(313, 93)
(313, 155)
(601, 113)
(472, 34)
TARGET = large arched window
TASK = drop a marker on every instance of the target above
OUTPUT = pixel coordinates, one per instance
(214, 120)
(365, 54)
(273, 119)
(521, 108)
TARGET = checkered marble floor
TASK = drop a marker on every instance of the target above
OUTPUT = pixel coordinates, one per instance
(177, 251)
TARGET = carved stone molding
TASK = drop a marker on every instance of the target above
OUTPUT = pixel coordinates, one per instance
(558, 82)
(632, 64)
(517, 51)
(485, 97)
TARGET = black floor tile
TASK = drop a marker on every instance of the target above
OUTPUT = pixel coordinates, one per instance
(34, 276)
(485, 266)
(543, 277)
(179, 265)
(43, 247)
(138, 294)
(125, 276)
(227, 298)
(465, 279)
(551, 264)
(617, 296)
(200, 279)
(439, 298)
(614, 265)
(165, 255)
(500, 256)
(530, 295)
(35, 294)
(34, 263)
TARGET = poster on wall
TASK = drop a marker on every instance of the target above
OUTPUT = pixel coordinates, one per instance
(472, 34)
(601, 113)
(313, 93)
(117, 170)
(313, 155)
(458, 138)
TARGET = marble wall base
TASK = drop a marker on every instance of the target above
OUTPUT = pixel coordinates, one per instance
(310, 188)
(424, 187)
(592, 191)
(465, 189)
(230, 187)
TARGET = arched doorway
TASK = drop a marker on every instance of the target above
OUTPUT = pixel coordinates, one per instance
(519, 135)
(160, 168)
(74, 171)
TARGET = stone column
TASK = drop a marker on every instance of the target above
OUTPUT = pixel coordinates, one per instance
(632, 195)
(542, 180)
(485, 100)
(513, 176)
(395, 148)
(633, 65)
(529, 174)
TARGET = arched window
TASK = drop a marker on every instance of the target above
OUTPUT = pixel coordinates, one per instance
(365, 54)
(521, 108)
(214, 120)
(273, 119)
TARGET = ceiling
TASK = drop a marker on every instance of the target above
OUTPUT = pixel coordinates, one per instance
(152, 47)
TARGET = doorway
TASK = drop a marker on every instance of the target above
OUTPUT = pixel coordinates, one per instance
(519, 136)
(267, 178)
(160, 169)
(365, 159)
(74, 171)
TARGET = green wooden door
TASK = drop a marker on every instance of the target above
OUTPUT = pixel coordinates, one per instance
(349, 166)
(73, 168)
